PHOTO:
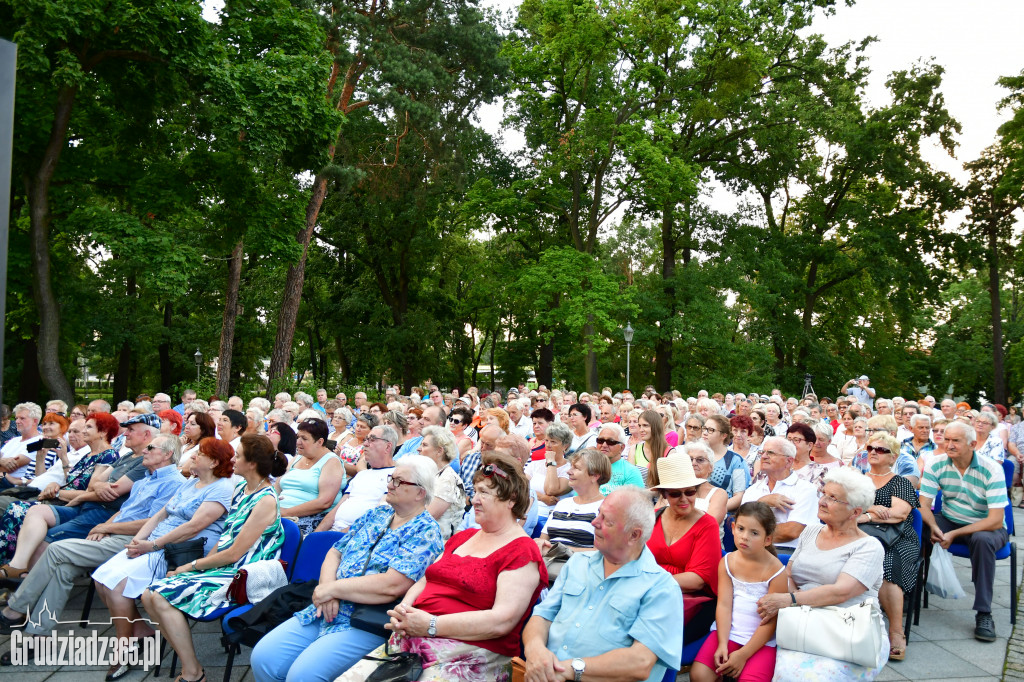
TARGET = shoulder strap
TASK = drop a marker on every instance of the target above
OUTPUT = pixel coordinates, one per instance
(375, 542)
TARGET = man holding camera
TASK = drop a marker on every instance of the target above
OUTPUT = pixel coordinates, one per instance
(15, 461)
(862, 392)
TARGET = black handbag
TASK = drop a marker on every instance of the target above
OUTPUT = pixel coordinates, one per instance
(400, 667)
(886, 533)
(180, 553)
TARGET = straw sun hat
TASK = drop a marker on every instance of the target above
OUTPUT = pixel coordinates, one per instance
(676, 472)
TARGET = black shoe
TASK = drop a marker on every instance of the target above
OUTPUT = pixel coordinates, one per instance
(9, 624)
(984, 628)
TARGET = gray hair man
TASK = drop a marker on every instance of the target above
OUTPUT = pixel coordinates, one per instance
(573, 638)
(793, 500)
(370, 484)
(972, 513)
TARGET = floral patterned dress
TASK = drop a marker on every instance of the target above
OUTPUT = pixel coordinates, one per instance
(195, 592)
(78, 479)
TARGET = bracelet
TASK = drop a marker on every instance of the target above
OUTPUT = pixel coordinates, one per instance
(194, 567)
(792, 595)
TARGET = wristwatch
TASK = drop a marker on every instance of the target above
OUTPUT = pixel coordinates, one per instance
(551, 464)
(432, 629)
(578, 666)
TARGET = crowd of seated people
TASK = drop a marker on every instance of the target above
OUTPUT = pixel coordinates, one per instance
(670, 512)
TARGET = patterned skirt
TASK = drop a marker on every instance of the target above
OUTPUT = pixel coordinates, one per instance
(444, 660)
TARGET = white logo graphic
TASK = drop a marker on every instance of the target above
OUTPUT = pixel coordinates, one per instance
(82, 649)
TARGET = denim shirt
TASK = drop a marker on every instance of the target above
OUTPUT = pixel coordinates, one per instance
(150, 493)
(591, 615)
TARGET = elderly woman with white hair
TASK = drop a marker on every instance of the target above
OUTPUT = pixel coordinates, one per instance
(990, 443)
(834, 564)
(449, 503)
(822, 452)
(383, 554)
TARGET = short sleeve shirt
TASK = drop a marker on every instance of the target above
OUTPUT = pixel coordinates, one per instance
(591, 614)
(861, 559)
(966, 498)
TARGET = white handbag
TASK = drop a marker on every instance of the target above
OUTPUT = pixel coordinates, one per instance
(852, 633)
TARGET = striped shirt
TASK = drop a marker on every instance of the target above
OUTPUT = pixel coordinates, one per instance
(965, 499)
(569, 523)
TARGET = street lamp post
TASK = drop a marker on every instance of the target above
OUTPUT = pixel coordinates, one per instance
(199, 363)
(85, 376)
(627, 334)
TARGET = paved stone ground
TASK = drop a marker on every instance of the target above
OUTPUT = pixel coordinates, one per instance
(942, 647)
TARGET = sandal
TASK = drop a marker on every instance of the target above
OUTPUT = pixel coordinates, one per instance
(8, 572)
(202, 678)
(897, 652)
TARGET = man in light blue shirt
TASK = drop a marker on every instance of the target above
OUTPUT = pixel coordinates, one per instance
(612, 612)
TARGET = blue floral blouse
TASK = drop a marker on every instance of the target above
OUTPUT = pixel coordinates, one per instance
(409, 549)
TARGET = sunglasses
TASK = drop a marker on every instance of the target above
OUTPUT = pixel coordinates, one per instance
(491, 470)
(881, 451)
(676, 494)
(607, 441)
(453, 420)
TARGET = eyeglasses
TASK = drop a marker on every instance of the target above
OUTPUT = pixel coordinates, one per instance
(881, 451)
(693, 427)
(491, 470)
(676, 494)
(771, 453)
(700, 460)
(150, 448)
(708, 429)
(797, 440)
(607, 441)
(371, 438)
(397, 482)
(876, 430)
(454, 420)
(829, 500)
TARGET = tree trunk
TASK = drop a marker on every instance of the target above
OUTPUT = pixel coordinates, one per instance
(289, 314)
(343, 363)
(30, 383)
(663, 346)
(546, 366)
(494, 344)
(48, 341)
(995, 300)
(590, 370)
(166, 371)
(227, 329)
(122, 375)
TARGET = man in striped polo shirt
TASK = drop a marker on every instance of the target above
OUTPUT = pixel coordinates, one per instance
(973, 496)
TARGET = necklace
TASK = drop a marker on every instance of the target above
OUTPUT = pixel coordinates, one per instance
(872, 473)
(262, 482)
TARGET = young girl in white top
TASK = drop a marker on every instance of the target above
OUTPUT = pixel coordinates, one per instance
(743, 648)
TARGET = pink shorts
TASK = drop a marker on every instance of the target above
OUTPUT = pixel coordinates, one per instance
(759, 668)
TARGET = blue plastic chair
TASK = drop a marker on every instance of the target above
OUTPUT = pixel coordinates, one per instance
(292, 536)
(1009, 550)
(539, 528)
(308, 561)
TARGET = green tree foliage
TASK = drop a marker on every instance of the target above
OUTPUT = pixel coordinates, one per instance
(306, 185)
